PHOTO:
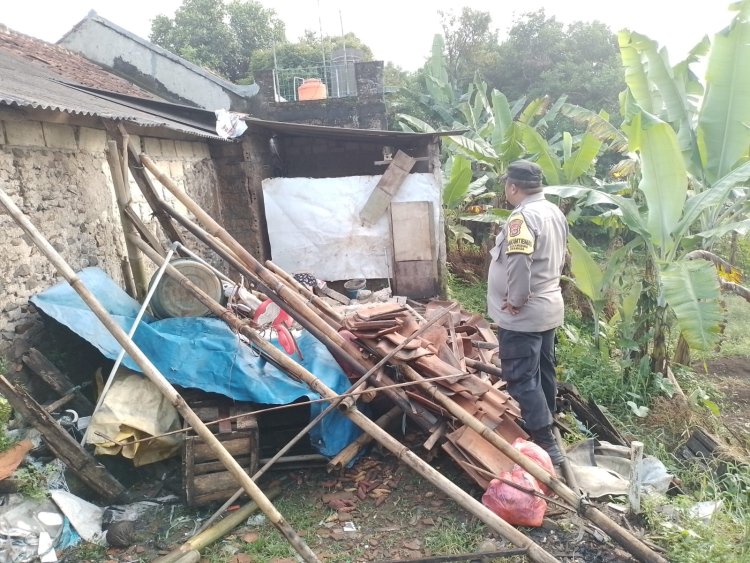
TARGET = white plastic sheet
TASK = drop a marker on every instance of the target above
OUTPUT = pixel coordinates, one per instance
(314, 225)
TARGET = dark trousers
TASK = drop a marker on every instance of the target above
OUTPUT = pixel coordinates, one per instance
(528, 364)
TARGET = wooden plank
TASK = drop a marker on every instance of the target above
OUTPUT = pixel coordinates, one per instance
(246, 462)
(417, 280)
(61, 443)
(413, 229)
(387, 186)
(237, 445)
(57, 380)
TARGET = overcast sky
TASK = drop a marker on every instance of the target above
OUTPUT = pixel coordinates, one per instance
(397, 30)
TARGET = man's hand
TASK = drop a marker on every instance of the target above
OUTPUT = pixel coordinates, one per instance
(510, 308)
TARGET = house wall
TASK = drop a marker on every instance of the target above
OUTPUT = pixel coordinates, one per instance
(57, 173)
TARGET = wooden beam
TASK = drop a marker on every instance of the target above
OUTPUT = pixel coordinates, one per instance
(61, 443)
(57, 380)
(387, 186)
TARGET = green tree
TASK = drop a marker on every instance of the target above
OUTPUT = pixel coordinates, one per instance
(217, 35)
(309, 51)
(470, 45)
(542, 57)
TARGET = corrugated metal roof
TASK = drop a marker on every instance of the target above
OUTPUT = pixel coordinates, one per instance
(376, 135)
(26, 84)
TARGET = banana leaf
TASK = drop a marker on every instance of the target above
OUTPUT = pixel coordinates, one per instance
(457, 186)
(545, 156)
(587, 275)
(663, 176)
(636, 76)
(725, 115)
(478, 150)
(691, 289)
(584, 158)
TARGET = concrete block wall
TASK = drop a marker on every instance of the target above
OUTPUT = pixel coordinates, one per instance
(59, 176)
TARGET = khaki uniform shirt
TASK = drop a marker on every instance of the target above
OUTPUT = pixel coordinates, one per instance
(527, 261)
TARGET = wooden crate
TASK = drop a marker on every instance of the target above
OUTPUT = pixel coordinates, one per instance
(204, 477)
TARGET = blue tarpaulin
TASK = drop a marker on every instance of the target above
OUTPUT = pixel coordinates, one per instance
(202, 353)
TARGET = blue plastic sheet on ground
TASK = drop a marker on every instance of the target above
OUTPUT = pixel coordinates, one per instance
(202, 353)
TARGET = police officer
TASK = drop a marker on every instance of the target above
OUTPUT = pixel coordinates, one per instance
(525, 300)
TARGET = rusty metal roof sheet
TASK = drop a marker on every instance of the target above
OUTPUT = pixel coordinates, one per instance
(26, 84)
(66, 64)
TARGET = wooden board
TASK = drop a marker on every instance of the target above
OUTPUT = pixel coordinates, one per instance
(417, 280)
(61, 443)
(413, 228)
(57, 380)
(415, 272)
(387, 186)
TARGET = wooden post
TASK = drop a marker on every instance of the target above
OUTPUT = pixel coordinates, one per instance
(150, 371)
(61, 443)
(634, 488)
(56, 379)
(123, 200)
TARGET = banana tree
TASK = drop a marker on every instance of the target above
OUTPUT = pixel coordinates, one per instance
(690, 146)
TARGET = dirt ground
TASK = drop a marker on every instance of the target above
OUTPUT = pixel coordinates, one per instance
(379, 510)
(732, 377)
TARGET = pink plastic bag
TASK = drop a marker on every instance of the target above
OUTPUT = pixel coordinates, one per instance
(539, 455)
(515, 507)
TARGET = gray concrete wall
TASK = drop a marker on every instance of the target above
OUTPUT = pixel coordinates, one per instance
(153, 68)
(59, 176)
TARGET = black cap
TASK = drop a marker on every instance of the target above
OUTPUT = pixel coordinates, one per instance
(524, 171)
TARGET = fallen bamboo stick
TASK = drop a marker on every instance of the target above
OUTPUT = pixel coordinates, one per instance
(341, 348)
(206, 537)
(328, 336)
(158, 379)
(321, 304)
(402, 453)
(345, 456)
(627, 540)
(486, 368)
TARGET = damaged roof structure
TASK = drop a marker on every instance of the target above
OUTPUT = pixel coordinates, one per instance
(103, 183)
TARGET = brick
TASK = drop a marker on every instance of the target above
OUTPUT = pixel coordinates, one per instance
(59, 136)
(176, 171)
(24, 133)
(168, 149)
(152, 147)
(92, 140)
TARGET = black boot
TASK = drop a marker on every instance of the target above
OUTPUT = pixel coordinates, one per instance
(546, 440)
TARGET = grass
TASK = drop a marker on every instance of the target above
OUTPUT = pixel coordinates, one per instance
(736, 339)
(471, 295)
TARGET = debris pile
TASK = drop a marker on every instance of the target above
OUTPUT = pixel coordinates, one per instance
(436, 366)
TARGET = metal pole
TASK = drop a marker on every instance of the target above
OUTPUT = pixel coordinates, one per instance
(131, 332)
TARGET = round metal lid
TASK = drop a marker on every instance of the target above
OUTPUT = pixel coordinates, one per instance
(172, 300)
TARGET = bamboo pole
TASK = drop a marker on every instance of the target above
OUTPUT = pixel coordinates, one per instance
(158, 379)
(297, 305)
(123, 199)
(345, 456)
(321, 304)
(401, 452)
(635, 546)
(342, 349)
(206, 537)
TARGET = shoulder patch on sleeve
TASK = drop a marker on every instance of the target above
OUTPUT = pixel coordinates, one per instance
(520, 237)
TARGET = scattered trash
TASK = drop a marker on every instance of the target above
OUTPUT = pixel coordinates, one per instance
(349, 527)
(256, 520)
(85, 517)
(706, 509)
(229, 125)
